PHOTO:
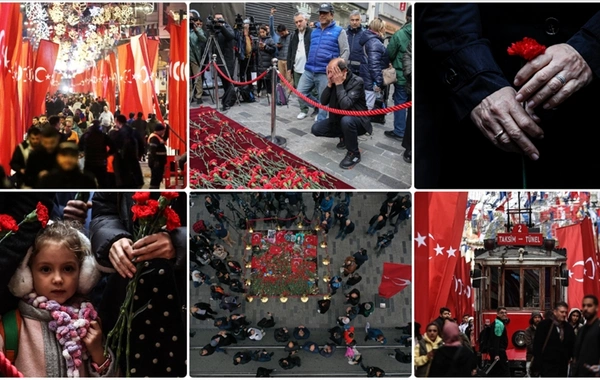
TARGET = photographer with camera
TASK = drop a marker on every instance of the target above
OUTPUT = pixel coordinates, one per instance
(225, 38)
(197, 45)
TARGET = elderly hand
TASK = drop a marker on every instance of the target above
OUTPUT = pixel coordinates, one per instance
(506, 124)
(153, 247)
(338, 77)
(552, 77)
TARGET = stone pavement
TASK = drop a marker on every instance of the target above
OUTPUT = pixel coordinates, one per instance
(381, 167)
(397, 311)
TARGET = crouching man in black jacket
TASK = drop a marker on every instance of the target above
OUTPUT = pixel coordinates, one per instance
(344, 91)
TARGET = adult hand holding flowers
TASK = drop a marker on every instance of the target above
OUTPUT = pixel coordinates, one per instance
(120, 255)
(155, 246)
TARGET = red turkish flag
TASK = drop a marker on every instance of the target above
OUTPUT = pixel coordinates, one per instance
(178, 90)
(142, 77)
(24, 85)
(112, 81)
(128, 94)
(55, 82)
(395, 278)
(11, 22)
(461, 292)
(578, 239)
(439, 223)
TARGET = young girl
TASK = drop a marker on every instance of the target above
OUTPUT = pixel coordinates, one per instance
(60, 334)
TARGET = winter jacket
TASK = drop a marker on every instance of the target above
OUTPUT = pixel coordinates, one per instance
(377, 60)
(285, 44)
(265, 55)
(424, 346)
(407, 68)
(295, 40)
(396, 49)
(326, 45)
(39, 160)
(94, 145)
(529, 337)
(72, 179)
(356, 57)
(225, 37)
(19, 161)
(40, 353)
(350, 95)
(553, 360)
(197, 45)
(449, 361)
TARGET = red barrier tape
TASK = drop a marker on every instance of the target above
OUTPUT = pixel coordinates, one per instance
(7, 369)
(380, 111)
(261, 76)
(201, 72)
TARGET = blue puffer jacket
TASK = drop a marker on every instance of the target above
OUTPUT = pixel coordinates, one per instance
(324, 47)
(356, 50)
(377, 60)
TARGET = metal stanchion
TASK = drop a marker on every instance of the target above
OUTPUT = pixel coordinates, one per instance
(215, 79)
(277, 140)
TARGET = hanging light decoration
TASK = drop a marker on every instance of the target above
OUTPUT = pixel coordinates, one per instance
(83, 31)
(264, 299)
(304, 298)
(283, 299)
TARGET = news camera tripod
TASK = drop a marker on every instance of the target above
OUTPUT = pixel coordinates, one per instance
(209, 43)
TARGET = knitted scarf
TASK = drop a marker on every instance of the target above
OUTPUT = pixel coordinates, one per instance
(70, 325)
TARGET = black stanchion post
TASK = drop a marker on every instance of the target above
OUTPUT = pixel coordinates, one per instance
(215, 81)
(277, 140)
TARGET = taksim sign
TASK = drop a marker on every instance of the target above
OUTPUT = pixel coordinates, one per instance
(520, 235)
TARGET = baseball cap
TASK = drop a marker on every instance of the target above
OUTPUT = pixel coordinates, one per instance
(326, 7)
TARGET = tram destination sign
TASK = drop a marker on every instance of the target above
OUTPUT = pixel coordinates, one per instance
(520, 235)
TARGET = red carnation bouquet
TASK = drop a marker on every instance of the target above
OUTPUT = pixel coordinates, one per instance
(9, 226)
(152, 216)
(527, 48)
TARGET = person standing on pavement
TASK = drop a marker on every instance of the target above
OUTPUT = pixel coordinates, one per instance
(553, 344)
(328, 41)
(222, 233)
(575, 319)
(355, 30)
(377, 59)
(424, 350)
(346, 230)
(396, 49)
(297, 54)
(197, 44)
(407, 70)
(283, 47)
(157, 154)
(265, 53)
(374, 334)
(225, 38)
(586, 353)
(534, 321)
(498, 344)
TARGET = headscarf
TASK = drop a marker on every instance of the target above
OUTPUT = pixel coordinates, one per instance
(451, 335)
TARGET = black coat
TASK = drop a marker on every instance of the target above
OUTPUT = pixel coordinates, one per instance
(350, 95)
(225, 37)
(357, 56)
(377, 60)
(72, 179)
(455, 362)
(586, 350)
(264, 56)
(462, 59)
(554, 360)
(39, 160)
(129, 147)
(291, 56)
(94, 144)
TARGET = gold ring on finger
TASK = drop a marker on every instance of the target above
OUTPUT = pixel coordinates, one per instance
(499, 134)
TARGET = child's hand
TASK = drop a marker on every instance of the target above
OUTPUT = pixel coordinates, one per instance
(93, 342)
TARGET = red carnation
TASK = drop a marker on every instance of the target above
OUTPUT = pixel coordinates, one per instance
(528, 48)
(141, 211)
(169, 194)
(153, 204)
(42, 214)
(7, 223)
(173, 220)
(141, 197)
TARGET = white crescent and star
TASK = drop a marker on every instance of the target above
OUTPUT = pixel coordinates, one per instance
(36, 74)
(439, 250)
(420, 240)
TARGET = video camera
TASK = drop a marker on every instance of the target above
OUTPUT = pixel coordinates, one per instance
(239, 22)
(213, 24)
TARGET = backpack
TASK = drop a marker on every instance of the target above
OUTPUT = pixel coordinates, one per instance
(281, 97)
(229, 97)
(484, 339)
(247, 94)
(10, 329)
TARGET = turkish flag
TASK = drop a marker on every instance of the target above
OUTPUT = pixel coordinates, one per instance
(128, 94)
(578, 239)
(395, 278)
(143, 77)
(178, 90)
(111, 83)
(24, 86)
(461, 292)
(439, 224)
(11, 22)
(55, 82)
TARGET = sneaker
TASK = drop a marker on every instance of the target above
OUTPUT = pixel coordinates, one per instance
(393, 135)
(301, 115)
(367, 327)
(350, 160)
(341, 144)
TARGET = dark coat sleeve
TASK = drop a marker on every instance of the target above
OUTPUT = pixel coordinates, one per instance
(541, 333)
(106, 226)
(587, 43)
(347, 97)
(467, 69)
(17, 162)
(377, 60)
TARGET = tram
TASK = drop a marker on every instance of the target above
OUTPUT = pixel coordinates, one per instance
(523, 272)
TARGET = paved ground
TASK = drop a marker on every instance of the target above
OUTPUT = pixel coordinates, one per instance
(382, 166)
(397, 311)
